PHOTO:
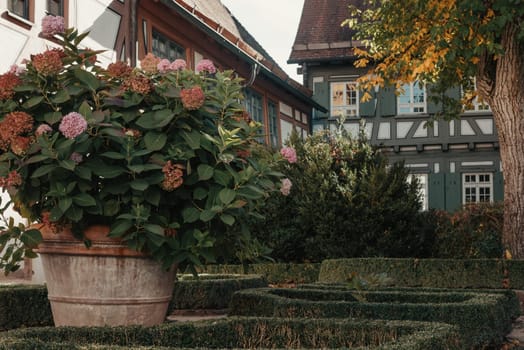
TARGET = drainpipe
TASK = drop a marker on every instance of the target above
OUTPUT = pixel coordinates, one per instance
(132, 37)
(255, 68)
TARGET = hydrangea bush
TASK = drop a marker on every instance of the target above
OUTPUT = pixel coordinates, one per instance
(162, 154)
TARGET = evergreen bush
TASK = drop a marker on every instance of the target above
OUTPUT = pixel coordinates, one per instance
(345, 201)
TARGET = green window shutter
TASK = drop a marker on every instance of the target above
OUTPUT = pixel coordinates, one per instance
(453, 192)
(387, 102)
(436, 194)
(321, 96)
(368, 108)
(498, 186)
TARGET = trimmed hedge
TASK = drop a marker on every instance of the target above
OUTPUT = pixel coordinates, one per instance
(24, 306)
(435, 273)
(210, 291)
(244, 332)
(511, 302)
(482, 318)
(274, 273)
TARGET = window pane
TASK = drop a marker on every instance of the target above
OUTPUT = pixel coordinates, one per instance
(164, 47)
(55, 7)
(337, 94)
(20, 7)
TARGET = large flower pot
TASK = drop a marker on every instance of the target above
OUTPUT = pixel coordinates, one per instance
(106, 284)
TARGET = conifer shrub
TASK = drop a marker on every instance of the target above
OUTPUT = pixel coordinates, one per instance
(345, 201)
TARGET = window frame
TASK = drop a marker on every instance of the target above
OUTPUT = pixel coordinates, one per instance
(423, 188)
(162, 35)
(273, 123)
(476, 105)
(352, 107)
(411, 105)
(477, 185)
(62, 7)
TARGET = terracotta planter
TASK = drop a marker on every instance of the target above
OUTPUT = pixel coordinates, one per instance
(107, 284)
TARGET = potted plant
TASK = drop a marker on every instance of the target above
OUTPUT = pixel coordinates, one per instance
(154, 163)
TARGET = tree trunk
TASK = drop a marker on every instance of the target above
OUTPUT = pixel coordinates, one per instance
(506, 99)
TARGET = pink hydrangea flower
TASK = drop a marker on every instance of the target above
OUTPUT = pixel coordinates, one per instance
(192, 98)
(289, 154)
(72, 125)
(178, 64)
(285, 187)
(76, 157)
(43, 129)
(52, 25)
(164, 66)
(206, 66)
(17, 70)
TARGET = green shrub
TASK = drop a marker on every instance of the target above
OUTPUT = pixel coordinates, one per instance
(345, 202)
(244, 332)
(24, 306)
(274, 273)
(210, 291)
(474, 231)
(482, 318)
(438, 273)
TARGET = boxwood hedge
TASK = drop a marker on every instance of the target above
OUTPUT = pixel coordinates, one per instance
(24, 306)
(243, 332)
(483, 318)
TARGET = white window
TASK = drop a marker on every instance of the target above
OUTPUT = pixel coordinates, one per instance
(344, 99)
(423, 188)
(476, 105)
(477, 188)
(412, 99)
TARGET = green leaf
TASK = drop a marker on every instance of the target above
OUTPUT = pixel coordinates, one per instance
(138, 168)
(156, 239)
(107, 171)
(32, 102)
(43, 170)
(192, 139)
(36, 159)
(87, 78)
(207, 215)
(74, 214)
(226, 195)
(156, 119)
(111, 207)
(156, 229)
(205, 172)
(52, 117)
(155, 141)
(190, 214)
(222, 177)
(200, 193)
(55, 214)
(251, 192)
(153, 196)
(84, 200)
(85, 110)
(31, 238)
(67, 164)
(113, 155)
(120, 227)
(139, 185)
(65, 203)
(227, 219)
(61, 96)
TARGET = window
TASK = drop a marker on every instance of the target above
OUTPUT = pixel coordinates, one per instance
(476, 105)
(166, 48)
(253, 104)
(423, 188)
(412, 100)
(20, 8)
(272, 113)
(55, 7)
(344, 99)
(477, 188)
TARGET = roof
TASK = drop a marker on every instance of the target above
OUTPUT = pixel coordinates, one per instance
(216, 19)
(320, 35)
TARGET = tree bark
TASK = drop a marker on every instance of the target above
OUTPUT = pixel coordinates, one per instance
(505, 95)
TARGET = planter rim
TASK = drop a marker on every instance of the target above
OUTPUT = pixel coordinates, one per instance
(64, 242)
